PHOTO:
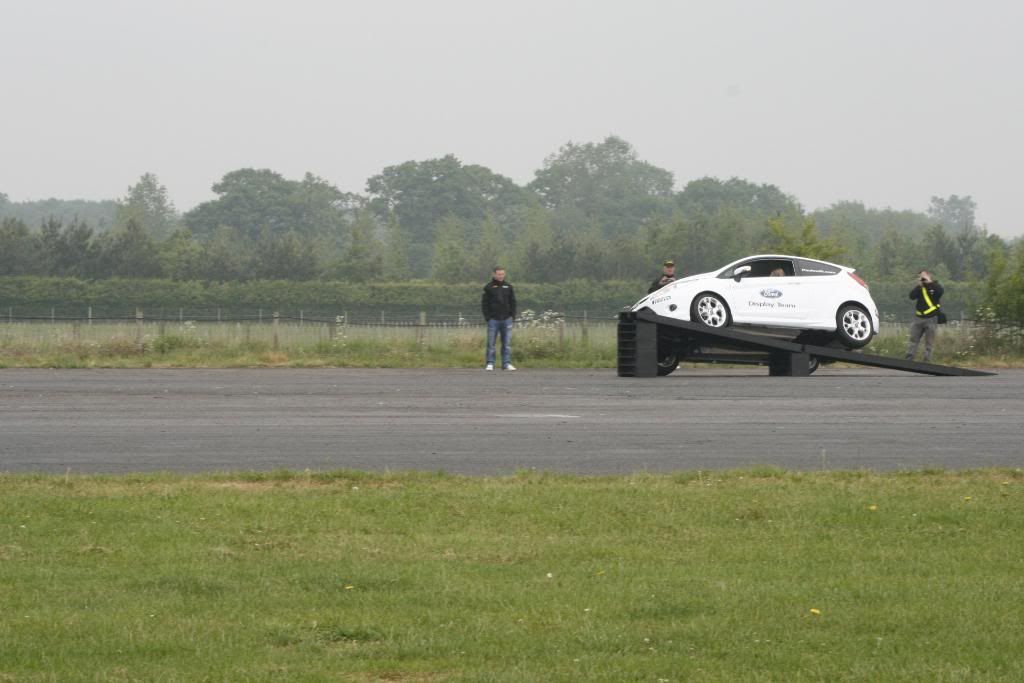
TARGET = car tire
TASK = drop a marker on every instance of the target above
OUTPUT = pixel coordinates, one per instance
(709, 310)
(668, 352)
(853, 326)
(813, 365)
(667, 364)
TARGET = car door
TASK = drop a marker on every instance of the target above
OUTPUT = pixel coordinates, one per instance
(760, 298)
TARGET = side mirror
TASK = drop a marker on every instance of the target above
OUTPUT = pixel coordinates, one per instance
(740, 272)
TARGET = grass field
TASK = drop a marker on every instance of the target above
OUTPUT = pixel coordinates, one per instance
(295, 345)
(539, 344)
(757, 575)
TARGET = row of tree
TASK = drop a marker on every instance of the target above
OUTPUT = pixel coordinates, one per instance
(594, 210)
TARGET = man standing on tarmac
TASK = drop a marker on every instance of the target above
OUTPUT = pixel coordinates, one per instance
(499, 309)
(668, 274)
(926, 293)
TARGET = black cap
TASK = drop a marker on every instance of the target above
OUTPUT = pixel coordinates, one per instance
(670, 262)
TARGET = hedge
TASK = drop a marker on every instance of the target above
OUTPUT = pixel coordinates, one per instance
(38, 296)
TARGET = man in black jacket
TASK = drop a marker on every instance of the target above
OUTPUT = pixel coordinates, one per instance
(926, 293)
(668, 274)
(499, 309)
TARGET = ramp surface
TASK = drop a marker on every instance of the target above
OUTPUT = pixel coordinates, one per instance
(778, 348)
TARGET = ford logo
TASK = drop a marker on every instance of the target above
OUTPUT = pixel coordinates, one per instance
(771, 293)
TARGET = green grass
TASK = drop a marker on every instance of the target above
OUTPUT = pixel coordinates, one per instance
(170, 345)
(757, 575)
(310, 345)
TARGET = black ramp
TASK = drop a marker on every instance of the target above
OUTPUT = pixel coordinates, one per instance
(893, 363)
(781, 362)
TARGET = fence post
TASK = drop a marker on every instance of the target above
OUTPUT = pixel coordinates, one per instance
(10, 314)
(139, 337)
(181, 316)
(382, 317)
(277, 318)
(302, 318)
(344, 318)
(332, 328)
(584, 338)
(90, 315)
(76, 331)
(53, 315)
(421, 327)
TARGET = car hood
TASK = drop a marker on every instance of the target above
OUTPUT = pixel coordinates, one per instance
(690, 278)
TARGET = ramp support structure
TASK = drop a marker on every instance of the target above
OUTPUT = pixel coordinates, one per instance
(789, 364)
(637, 348)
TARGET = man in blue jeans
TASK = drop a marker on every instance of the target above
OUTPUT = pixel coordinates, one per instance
(499, 309)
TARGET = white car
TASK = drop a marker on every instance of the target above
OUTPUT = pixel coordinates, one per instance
(791, 293)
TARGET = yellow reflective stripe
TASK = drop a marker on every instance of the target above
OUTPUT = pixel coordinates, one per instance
(927, 300)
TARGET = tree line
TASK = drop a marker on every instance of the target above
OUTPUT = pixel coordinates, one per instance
(592, 211)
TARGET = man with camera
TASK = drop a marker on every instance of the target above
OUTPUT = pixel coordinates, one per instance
(668, 274)
(927, 314)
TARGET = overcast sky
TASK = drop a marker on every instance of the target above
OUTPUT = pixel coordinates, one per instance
(886, 102)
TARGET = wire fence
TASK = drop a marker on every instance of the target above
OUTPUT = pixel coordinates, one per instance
(381, 318)
(279, 331)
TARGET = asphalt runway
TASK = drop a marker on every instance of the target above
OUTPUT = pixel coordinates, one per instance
(472, 422)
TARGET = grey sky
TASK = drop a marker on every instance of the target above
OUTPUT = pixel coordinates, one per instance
(884, 102)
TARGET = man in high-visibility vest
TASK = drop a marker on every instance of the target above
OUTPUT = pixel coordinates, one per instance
(926, 293)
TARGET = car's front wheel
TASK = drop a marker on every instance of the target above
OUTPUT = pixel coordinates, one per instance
(853, 326)
(710, 310)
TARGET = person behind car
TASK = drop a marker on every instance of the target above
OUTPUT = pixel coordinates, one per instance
(668, 275)
(778, 272)
(499, 308)
(926, 294)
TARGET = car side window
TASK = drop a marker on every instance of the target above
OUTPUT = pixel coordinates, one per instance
(762, 268)
(771, 268)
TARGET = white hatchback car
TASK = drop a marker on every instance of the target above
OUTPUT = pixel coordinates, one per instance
(774, 291)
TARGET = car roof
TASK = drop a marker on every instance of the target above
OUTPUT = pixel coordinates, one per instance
(784, 256)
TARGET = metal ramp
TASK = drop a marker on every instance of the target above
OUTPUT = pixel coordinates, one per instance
(641, 332)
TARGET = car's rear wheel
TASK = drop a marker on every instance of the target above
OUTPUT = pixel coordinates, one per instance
(853, 326)
(668, 363)
(668, 352)
(813, 365)
(709, 309)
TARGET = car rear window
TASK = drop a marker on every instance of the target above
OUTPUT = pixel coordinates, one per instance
(811, 268)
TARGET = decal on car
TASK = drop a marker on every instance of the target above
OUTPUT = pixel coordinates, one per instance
(770, 304)
(771, 293)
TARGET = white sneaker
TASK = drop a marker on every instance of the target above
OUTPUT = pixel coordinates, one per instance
(489, 366)
(509, 367)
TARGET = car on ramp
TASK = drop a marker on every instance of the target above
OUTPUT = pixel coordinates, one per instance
(791, 297)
